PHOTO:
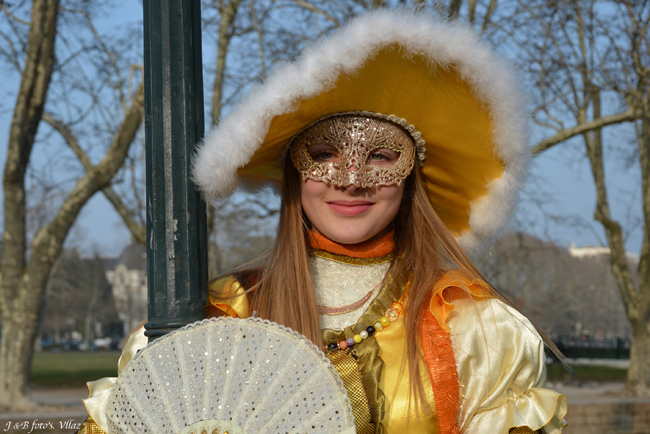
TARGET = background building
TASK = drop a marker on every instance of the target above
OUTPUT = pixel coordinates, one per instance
(128, 280)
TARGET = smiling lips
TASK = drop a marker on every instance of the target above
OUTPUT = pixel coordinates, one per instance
(350, 207)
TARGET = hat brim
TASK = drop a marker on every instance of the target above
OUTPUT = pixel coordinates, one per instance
(437, 76)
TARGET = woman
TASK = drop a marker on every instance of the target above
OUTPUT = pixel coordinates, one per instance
(389, 139)
(395, 142)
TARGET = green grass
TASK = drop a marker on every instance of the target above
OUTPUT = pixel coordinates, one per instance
(586, 373)
(75, 368)
(72, 369)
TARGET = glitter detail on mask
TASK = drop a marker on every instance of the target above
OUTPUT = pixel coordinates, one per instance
(355, 140)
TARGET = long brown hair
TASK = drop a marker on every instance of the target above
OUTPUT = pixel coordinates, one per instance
(424, 251)
(284, 292)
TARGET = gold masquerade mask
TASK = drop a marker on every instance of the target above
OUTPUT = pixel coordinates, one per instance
(381, 151)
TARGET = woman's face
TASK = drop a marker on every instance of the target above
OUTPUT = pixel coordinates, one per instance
(352, 168)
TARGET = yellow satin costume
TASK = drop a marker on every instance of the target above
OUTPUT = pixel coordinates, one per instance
(497, 355)
(495, 361)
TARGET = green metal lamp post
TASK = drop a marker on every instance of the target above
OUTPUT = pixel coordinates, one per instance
(176, 218)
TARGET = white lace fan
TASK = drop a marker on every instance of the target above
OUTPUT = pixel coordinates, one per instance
(241, 376)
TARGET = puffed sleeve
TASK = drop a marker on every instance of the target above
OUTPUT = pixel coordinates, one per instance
(100, 390)
(501, 371)
(228, 296)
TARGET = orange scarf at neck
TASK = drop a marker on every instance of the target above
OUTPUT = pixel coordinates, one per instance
(373, 248)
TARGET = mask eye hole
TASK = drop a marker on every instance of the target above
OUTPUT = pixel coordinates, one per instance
(324, 153)
(384, 157)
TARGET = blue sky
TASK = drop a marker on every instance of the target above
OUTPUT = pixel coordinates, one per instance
(559, 190)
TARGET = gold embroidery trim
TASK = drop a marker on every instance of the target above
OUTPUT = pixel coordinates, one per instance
(346, 365)
(523, 430)
(350, 260)
(367, 352)
(89, 426)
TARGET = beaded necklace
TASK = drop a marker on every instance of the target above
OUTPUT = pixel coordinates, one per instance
(390, 316)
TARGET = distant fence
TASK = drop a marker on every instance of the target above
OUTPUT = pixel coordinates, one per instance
(591, 348)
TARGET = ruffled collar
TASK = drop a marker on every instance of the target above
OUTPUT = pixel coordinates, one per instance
(374, 251)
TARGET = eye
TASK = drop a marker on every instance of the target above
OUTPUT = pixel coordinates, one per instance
(383, 157)
(378, 156)
(323, 153)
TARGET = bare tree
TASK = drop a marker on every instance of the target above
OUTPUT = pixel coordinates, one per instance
(590, 62)
(44, 69)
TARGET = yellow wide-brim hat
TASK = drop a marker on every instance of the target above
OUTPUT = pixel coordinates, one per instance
(437, 76)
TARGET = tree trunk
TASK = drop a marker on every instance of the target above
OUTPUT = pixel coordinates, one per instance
(24, 300)
(638, 375)
(89, 330)
(20, 311)
(636, 297)
(18, 333)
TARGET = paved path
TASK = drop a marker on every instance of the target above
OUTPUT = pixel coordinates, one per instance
(59, 402)
(64, 406)
(594, 393)
(600, 408)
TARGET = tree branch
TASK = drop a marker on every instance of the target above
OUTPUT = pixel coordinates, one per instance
(471, 11)
(488, 15)
(137, 230)
(626, 116)
(454, 9)
(11, 53)
(228, 14)
(602, 214)
(12, 16)
(260, 40)
(49, 239)
(643, 140)
(311, 7)
(118, 85)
